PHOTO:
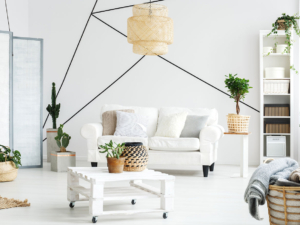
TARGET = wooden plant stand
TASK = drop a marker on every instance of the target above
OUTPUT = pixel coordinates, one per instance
(97, 194)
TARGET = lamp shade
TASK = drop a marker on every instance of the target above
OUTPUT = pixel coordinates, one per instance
(150, 30)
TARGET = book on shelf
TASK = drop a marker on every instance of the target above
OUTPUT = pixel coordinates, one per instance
(276, 110)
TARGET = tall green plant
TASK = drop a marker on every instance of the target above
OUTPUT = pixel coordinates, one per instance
(62, 139)
(238, 89)
(15, 157)
(112, 150)
(53, 109)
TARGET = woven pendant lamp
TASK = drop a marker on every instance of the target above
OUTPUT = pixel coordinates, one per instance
(150, 30)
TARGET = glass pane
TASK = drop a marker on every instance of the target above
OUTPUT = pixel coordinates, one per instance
(5, 60)
(27, 97)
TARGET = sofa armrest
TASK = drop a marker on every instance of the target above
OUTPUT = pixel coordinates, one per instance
(91, 130)
(211, 134)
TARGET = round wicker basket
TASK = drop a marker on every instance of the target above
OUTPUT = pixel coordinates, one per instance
(284, 205)
(8, 170)
(136, 156)
(238, 123)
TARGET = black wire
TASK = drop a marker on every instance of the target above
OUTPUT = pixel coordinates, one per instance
(7, 15)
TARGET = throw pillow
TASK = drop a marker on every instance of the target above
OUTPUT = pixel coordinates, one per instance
(193, 126)
(131, 125)
(171, 125)
(109, 121)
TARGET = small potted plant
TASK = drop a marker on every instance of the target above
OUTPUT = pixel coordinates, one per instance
(61, 160)
(53, 110)
(9, 164)
(238, 89)
(113, 152)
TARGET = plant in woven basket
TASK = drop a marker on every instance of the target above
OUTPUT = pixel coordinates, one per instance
(238, 89)
(53, 109)
(14, 156)
(62, 139)
(112, 150)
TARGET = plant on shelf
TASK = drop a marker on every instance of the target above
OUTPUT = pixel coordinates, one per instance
(54, 108)
(15, 157)
(62, 139)
(113, 155)
(238, 89)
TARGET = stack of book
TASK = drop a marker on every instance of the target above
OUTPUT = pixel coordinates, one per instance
(277, 110)
(277, 128)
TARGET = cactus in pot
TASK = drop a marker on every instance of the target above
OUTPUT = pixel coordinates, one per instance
(62, 139)
(53, 109)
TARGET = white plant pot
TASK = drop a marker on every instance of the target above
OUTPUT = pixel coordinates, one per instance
(268, 49)
(274, 72)
(60, 161)
(51, 143)
(280, 48)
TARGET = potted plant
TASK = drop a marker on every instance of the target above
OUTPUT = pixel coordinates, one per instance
(113, 152)
(62, 159)
(53, 110)
(238, 89)
(286, 23)
(9, 164)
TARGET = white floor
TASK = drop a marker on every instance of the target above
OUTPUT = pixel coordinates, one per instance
(217, 199)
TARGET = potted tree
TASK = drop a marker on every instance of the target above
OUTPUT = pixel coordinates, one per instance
(238, 89)
(53, 110)
(113, 152)
(62, 159)
(9, 164)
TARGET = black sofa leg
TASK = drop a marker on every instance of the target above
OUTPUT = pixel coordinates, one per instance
(211, 168)
(205, 171)
(94, 164)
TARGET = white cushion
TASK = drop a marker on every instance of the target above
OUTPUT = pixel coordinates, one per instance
(212, 119)
(174, 144)
(121, 139)
(131, 125)
(152, 114)
(171, 125)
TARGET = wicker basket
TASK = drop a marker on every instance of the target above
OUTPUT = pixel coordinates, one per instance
(276, 86)
(136, 157)
(281, 25)
(8, 170)
(284, 205)
(237, 123)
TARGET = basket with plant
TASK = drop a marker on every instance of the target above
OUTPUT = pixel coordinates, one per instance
(9, 163)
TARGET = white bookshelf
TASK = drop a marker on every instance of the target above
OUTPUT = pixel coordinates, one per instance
(275, 60)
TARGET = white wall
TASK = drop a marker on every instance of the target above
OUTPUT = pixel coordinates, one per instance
(211, 39)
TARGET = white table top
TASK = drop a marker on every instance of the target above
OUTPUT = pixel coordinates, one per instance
(101, 174)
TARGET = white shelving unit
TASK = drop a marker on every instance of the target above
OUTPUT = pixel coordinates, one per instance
(275, 60)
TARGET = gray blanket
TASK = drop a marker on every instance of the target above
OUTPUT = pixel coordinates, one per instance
(263, 176)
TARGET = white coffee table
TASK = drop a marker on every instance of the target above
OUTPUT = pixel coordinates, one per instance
(97, 193)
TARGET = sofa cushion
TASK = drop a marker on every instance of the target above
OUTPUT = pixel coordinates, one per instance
(171, 125)
(109, 121)
(193, 125)
(212, 113)
(174, 144)
(131, 125)
(152, 114)
(121, 139)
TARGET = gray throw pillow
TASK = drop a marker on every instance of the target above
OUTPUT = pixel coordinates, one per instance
(131, 125)
(193, 126)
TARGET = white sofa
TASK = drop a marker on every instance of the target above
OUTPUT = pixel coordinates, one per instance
(176, 153)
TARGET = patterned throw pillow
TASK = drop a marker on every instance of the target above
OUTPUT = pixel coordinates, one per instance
(109, 121)
(171, 125)
(131, 125)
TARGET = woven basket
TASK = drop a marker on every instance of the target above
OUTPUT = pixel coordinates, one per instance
(281, 25)
(237, 123)
(8, 170)
(284, 205)
(136, 157)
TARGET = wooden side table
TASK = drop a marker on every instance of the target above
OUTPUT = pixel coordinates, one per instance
(244, 154)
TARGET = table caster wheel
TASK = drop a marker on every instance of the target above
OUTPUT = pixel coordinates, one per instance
(72, 204)
(165, 215)
(133, 201)
(94, 220)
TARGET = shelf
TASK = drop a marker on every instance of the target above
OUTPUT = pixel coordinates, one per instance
(277, 133)
(277, 54)
(277, 94)
(277, 117)
(286, 78)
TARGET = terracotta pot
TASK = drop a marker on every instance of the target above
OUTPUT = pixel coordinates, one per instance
(115, 165)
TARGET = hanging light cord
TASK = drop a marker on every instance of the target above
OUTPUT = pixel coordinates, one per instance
(7, 15)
